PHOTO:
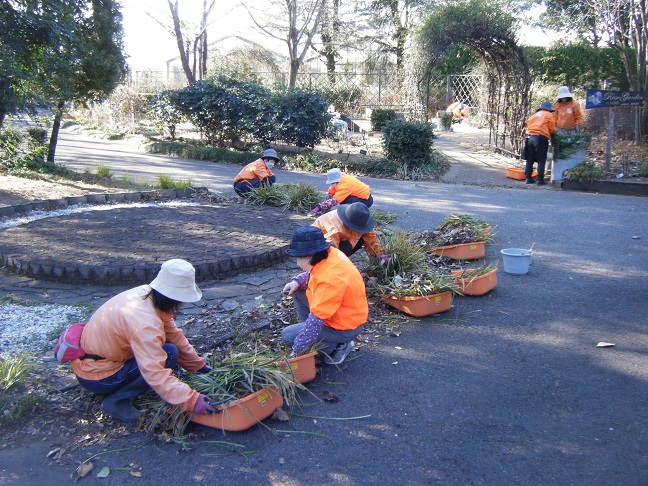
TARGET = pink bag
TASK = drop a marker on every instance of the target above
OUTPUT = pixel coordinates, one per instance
(68, 346)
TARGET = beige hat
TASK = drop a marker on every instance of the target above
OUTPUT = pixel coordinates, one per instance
(563, 92)
(333, 175)
(177, 280)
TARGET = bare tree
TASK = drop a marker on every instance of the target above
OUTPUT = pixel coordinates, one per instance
(298, 21)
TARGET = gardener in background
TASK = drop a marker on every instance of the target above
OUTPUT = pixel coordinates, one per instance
(540, 127)
(349, 228)
(134, 344)
(343, 189)
(567, 112)
(329, 297)
(256, 174)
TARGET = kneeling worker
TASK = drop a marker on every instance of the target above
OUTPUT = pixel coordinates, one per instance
(256, 174)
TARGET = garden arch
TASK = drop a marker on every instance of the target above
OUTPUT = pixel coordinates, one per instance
(488, 31)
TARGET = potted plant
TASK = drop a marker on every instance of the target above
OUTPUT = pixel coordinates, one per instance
(458, 236)
(246, 387)
(405, 281)
(476, 281)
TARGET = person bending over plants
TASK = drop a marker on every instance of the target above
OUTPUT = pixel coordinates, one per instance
(343, 189)
(349, 228)
(329, 297)
(256, 174)
(132, 344)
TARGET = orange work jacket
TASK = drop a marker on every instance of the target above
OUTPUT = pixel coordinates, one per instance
(568, 115)
(254, 170)
(542, 122)
(336, 292)
(336, 231)
(349, 186)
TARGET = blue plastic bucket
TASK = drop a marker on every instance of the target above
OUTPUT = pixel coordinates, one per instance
(516, 260)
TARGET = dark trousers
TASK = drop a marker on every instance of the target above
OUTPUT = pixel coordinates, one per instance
(536, 151)
(243, 187)
(127, 373)
(347, 249)
(354, 199)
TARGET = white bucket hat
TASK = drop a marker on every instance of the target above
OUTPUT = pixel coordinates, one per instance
(177, 280)
(333, 175)
(563, 92)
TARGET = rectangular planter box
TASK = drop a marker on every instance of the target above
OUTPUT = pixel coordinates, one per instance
(475, 285)
(302, 367)
(465, 251)
(243, 413)
(608, 187)
(421, 306)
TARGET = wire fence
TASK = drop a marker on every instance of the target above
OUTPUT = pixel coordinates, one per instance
(351, 93)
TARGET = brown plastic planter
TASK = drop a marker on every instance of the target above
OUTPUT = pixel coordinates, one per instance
(464, 251)
(475, 285)
(243, 413)
(302, 367)
(421, 306)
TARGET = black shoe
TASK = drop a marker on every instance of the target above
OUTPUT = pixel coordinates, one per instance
(541, 183)
(339, 354)
(118, 404)
(529, 181)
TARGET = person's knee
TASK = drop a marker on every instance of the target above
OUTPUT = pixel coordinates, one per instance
(172, 355)
(346, 247)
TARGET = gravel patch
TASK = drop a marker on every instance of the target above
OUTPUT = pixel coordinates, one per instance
(32, 328)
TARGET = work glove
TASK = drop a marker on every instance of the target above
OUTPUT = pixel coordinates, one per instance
(382, 259)
(315, 210)
(203, 406)
(290, 288)
(205, 369)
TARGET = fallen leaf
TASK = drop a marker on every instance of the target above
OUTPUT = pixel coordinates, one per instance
(282, 460)
(82, 471)
(280, 415)
(603, 344)
(56, 453)
(395, 363)
(397, 347)
(135, 473)
(327, 396)
(104, 472)
(636, 237)
(395, 333)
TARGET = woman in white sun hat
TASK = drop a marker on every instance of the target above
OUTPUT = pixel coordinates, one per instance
(132, 343)
(567, 112)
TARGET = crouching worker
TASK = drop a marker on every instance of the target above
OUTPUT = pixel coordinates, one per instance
(132, 344)
(256, 174)
(343, 189)
(329, 297)
(349, 228)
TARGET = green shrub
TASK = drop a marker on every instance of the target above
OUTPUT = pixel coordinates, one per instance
(301, 118)
(104, 171)
(37, 136)
(567, 144)
(164, 113)
(199, 151)
(380, 116)
(9, 143)
(643, 170)
(297, 197)
(408, 143)
(585, 172)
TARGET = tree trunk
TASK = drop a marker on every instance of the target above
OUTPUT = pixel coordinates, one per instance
(184, 55)
(58, 113)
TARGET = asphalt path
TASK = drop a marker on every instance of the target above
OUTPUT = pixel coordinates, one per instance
(509, 388)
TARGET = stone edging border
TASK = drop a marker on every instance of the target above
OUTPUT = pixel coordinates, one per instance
(126, 274)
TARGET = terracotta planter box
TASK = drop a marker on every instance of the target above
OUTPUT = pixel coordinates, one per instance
(518, 174)
(243, 413)
(464, 251)
(475, 285)
(421, 306)
(302, 367)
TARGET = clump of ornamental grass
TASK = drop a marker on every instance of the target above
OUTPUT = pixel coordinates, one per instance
(299, 197)
(166, 182)
(243, 371)
(14, 370)
(383, 218)
(457, 229)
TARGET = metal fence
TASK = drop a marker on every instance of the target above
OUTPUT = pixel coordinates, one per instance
(350, 93)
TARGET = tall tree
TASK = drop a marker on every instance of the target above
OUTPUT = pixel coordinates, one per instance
(295, 22)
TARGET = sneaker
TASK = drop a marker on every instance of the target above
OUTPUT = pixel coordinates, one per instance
(339, 354)
(541, 183)
(529, 181)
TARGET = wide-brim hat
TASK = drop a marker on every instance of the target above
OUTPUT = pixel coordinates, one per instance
(357, 217)
(270, 154)
(177, 280)
(307, 241)
(546, 105)
(333, 175)
(563, 92)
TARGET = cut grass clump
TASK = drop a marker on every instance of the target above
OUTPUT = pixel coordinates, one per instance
(14, 369)
(104, 172)
(457, 229)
